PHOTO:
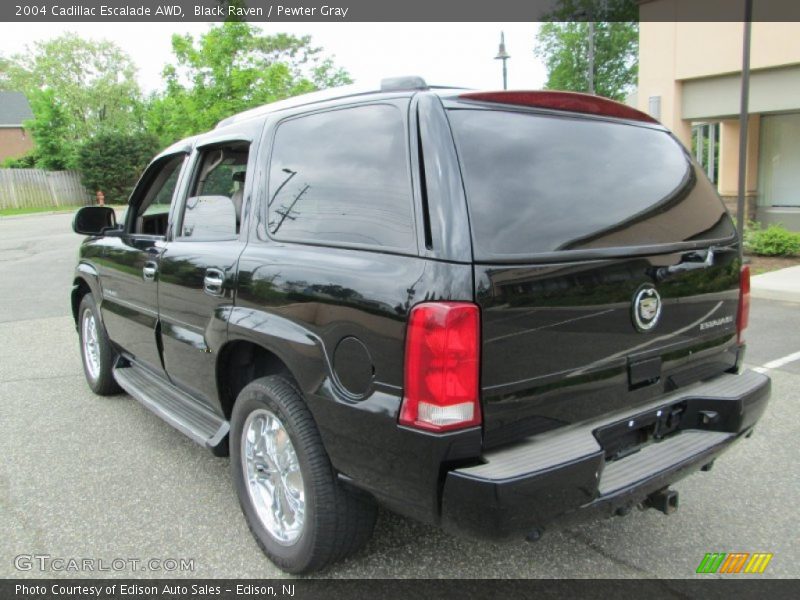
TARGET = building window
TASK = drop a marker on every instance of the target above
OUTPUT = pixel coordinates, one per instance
(654, 107)
(779, 173)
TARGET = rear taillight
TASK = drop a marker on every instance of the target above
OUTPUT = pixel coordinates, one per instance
(441, 368)
(743, 316)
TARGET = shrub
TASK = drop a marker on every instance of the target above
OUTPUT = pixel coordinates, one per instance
(112, 162)
(775, 240)
(23, 162)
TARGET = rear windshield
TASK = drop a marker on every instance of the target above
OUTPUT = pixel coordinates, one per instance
(537, 184)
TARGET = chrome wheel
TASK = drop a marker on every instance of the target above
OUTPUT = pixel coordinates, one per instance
(272, 474)
(91, 344)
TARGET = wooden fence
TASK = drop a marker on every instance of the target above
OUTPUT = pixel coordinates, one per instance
(30, 188)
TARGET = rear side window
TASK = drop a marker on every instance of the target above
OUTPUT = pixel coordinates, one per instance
(342, 177)
(538, 184)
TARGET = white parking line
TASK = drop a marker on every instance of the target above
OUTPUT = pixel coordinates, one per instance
(778, 363)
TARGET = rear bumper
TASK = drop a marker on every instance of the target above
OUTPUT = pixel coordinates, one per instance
(563, 476)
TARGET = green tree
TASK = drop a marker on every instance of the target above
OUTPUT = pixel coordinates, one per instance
(50, 128)
(81, 85)
(4, 65)
(231, 68)
(563, 44)
(112, 161)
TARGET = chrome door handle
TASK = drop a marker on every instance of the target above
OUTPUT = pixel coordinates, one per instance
(149, 271)
(212, 282)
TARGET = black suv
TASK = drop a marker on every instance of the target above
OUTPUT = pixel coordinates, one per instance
(494, 312)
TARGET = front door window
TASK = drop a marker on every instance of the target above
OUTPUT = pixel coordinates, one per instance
(154, 198)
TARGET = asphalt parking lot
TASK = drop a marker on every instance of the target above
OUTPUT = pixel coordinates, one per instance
(102, 478)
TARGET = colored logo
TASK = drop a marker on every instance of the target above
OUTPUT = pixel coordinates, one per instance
(646, 309)
(734, 562)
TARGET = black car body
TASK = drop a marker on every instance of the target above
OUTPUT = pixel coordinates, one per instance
(502, 310)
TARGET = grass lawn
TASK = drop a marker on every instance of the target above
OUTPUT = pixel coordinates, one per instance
(30, 210)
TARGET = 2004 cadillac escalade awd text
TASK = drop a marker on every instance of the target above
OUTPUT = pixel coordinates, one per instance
(494, 312)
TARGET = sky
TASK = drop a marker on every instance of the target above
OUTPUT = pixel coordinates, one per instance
(442, 53)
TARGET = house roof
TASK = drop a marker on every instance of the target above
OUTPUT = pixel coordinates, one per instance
(14, 109)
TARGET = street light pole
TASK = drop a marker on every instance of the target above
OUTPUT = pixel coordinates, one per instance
(591, 57)
(743, 111)
(504, 56)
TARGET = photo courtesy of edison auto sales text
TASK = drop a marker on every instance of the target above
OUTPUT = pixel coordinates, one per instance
(165, 590)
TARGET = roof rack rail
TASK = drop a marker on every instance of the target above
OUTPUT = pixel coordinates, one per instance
(301, 100)
(395, 84)
(391, 84)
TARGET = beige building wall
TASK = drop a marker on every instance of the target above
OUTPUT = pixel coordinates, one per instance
(694, 69)
(673, 53)
(14, 142)
(720, 46)
(657, 75)
(729, 156)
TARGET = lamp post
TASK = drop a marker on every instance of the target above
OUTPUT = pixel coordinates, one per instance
(743, 113)
(591, 57)
(504, 56)
(589, 16)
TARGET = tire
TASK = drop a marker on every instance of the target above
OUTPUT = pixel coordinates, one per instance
(335, 521)
(97, 353)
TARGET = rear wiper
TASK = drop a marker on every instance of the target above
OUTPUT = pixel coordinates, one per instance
(700, 259)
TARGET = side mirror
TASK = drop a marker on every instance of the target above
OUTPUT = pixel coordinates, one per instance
(94, 220)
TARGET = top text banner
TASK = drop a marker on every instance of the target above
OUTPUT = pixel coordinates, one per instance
(393, 10)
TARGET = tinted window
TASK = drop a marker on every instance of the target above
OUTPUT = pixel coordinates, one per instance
(158, 196)
(342, 177)
(539, 183)
(163, 197)
(209, 218)
(153, 200)
(213, 209)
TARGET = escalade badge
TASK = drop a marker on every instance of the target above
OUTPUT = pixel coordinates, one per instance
(646, 309)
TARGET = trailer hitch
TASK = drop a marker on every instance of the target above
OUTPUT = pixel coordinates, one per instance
(664, 500)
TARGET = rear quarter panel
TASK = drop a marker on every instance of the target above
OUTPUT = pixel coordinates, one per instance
(302, 302)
